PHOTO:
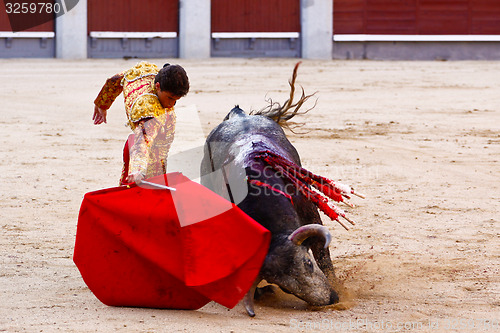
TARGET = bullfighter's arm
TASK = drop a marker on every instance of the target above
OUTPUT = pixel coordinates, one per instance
(111, 89)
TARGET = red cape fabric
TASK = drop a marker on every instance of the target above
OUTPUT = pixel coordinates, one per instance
(145, 247)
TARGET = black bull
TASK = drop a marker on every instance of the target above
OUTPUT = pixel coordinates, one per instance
(298, 260)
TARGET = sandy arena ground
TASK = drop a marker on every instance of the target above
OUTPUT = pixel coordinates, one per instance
(420, 139)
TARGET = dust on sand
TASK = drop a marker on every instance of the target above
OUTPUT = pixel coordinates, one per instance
(420, 139)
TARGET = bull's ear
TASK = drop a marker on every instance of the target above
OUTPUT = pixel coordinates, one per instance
(300, 235)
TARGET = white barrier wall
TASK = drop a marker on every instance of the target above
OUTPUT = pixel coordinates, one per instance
(71, 33)
(316, 18)
(194, 29)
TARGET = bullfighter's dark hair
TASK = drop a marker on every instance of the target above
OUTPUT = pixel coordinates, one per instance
(173, 78)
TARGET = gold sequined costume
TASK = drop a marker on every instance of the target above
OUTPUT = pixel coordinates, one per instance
(153, 125)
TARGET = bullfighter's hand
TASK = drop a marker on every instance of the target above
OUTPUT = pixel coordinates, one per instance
(135, 178)
(99, 115)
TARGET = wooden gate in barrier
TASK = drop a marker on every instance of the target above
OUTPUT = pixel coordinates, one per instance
(417, 17)
(35, 42)
(133, 29)
(256, 28)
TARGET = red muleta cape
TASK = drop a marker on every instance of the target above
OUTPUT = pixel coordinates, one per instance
(145, 247)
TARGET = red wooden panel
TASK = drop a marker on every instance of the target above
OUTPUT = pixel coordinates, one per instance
(255, 16)
(390, 5)
(133, 15)
(484, 26)
(390, 16)
(348, 24)
(431, 17)
(5, 23)
(443, 17)
(485, 17)
(348, 16)
(390, 27)
(485, 5)
(443, 23)
(4, 19)
(443, 5)
(340, 6)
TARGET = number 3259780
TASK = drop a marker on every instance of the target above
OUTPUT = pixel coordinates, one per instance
(32, 8)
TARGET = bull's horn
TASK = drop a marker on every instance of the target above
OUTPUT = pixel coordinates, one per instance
(309, 230)
(248, 299)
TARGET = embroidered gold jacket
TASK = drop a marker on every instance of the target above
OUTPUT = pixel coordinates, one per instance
(153, 125)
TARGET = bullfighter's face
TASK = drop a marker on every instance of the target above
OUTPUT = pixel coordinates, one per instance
(167, 99)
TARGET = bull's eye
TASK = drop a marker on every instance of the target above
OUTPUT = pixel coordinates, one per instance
(309, 265)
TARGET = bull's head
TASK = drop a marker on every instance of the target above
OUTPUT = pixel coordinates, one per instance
(291, 265)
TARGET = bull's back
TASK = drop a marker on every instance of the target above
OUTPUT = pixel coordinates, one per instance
(239, 130)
